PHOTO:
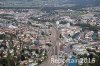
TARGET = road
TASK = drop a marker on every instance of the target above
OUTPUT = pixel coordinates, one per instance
(55, 46)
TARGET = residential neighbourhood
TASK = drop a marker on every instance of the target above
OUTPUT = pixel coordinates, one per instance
(59, 37)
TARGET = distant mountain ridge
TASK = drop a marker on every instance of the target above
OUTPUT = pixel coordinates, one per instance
(86, 2)
(79, 3)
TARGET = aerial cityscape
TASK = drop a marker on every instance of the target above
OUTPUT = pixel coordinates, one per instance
(49, 32)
